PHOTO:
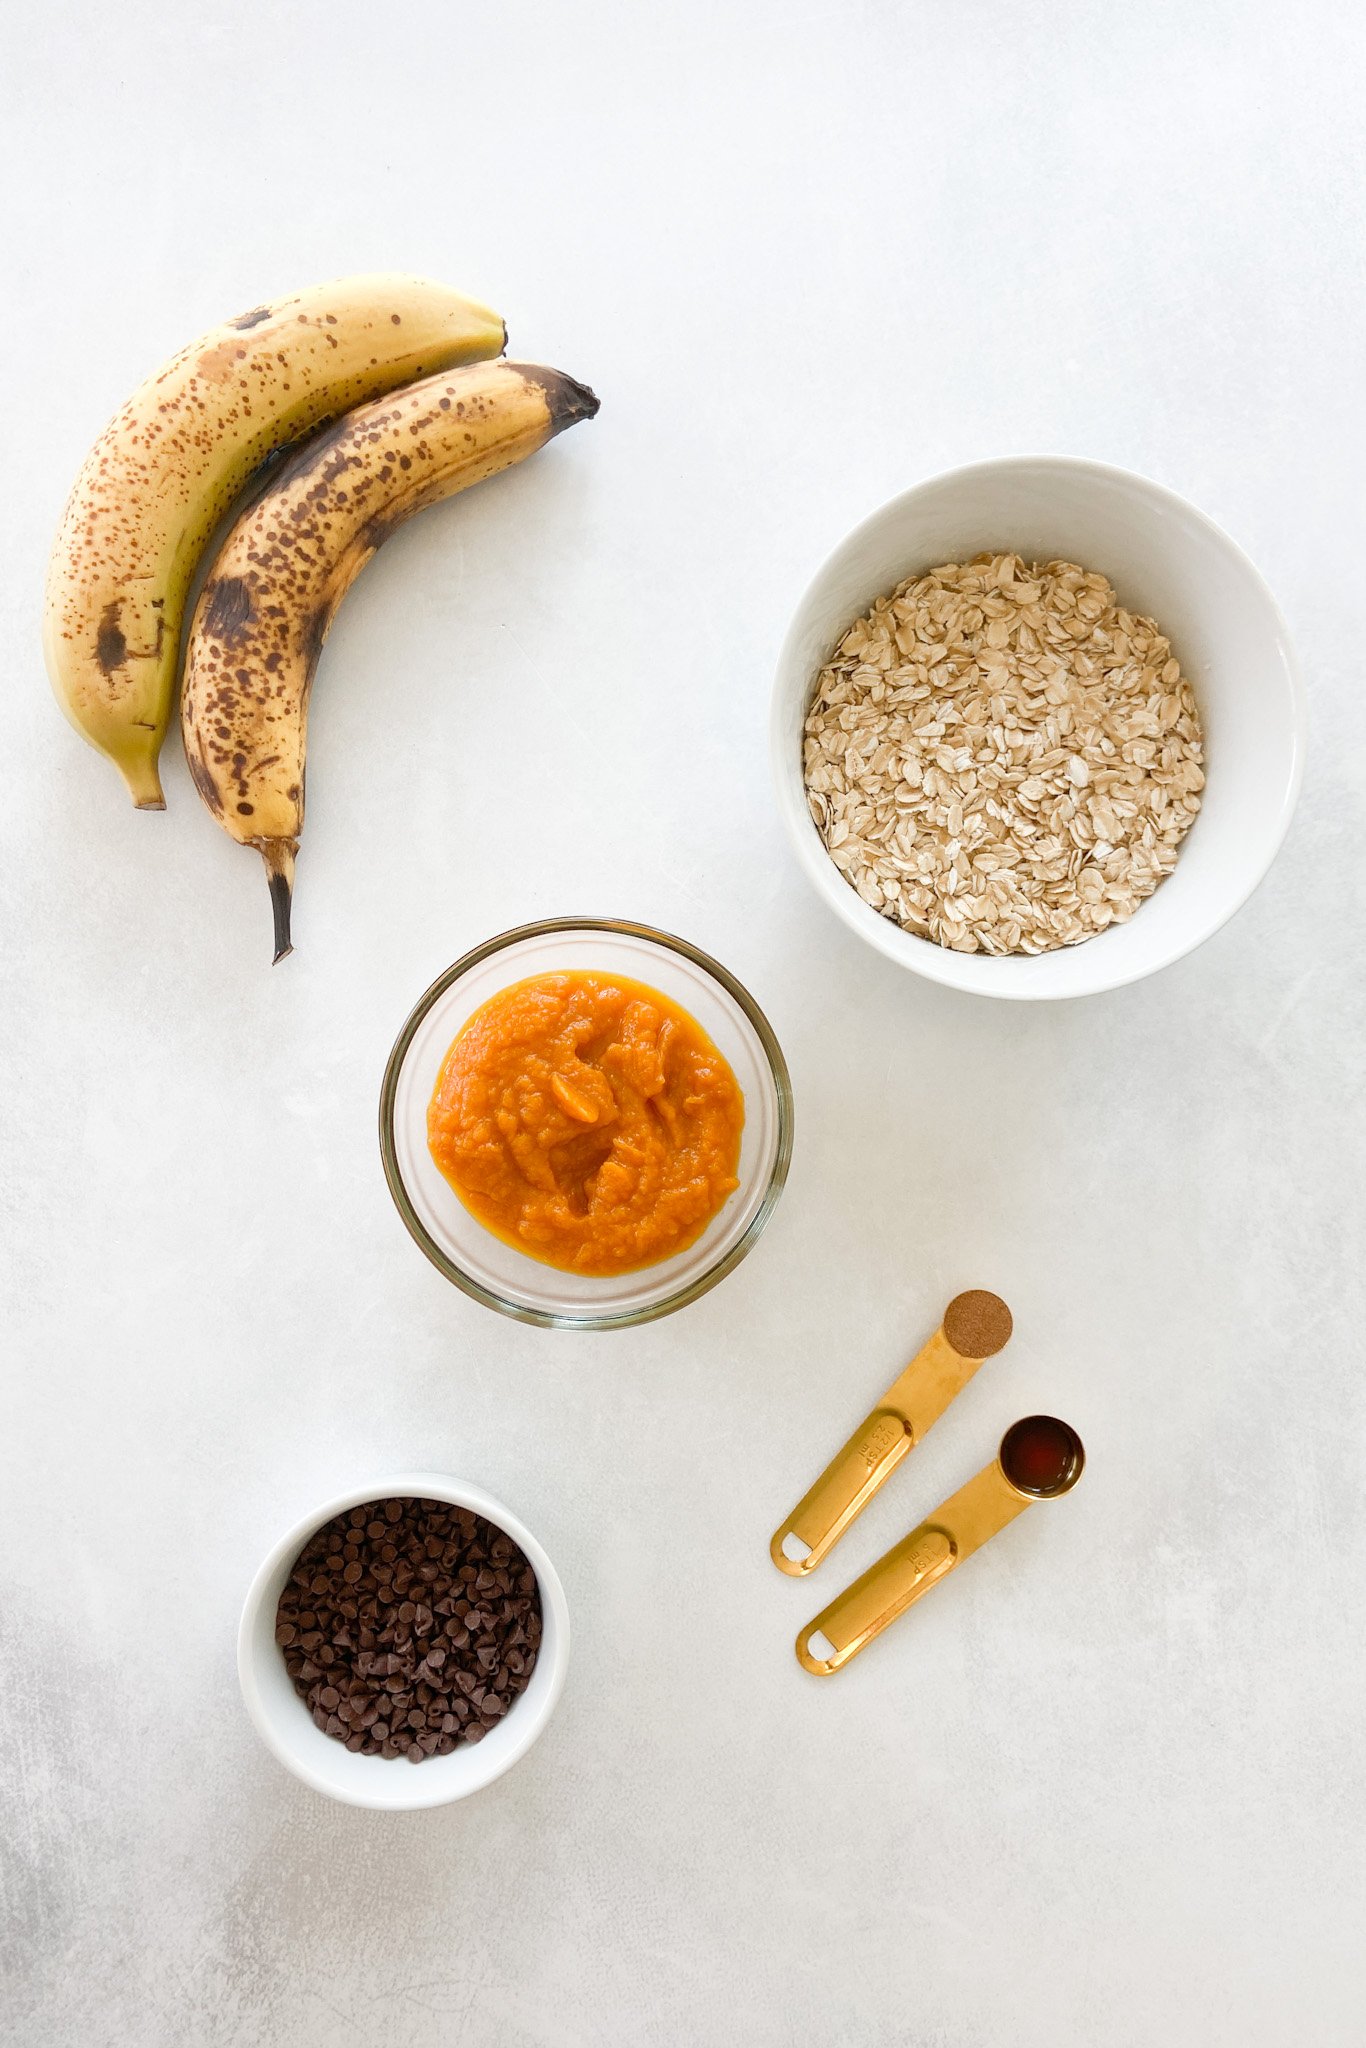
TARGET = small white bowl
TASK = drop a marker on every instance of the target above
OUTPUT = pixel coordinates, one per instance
(1165, 559)
(496, 1273)
(285, 1724)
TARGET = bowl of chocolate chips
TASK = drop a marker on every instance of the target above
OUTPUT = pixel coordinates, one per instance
(413, 1622)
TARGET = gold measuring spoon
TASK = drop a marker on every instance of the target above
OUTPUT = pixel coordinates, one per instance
(1039, 1459)
(975, 1326)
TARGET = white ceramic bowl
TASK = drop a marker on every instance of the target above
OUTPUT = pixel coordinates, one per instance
(1164, 559)
(497, 1273)
(285, 1724)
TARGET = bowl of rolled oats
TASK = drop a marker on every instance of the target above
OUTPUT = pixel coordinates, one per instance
(1038, 728)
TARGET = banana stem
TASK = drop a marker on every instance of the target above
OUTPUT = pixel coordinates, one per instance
(139, 771)
(278, 855)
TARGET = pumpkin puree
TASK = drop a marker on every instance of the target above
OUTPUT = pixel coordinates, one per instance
(588, 1121)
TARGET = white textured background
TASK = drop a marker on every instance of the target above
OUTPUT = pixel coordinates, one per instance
(1106, 1788)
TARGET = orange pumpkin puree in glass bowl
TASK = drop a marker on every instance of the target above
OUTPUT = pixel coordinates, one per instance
(588, 1121)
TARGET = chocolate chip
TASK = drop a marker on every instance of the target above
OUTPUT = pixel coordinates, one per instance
(408, 1627)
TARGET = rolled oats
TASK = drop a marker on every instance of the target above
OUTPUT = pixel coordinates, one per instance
(1001, 758)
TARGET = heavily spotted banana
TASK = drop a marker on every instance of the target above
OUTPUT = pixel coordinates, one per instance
(171, 461)
(271, 593)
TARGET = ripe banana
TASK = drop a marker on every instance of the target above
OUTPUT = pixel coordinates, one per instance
(171, 461)
(275, 584)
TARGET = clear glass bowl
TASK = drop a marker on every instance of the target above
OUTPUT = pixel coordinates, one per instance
(496, 1273)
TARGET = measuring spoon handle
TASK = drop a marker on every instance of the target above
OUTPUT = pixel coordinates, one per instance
(908, 1571)
(975, 1326)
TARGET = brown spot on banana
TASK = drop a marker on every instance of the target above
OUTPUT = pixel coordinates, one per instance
(204, 782)
(227, 607)
(111, 647)
(286, 564)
